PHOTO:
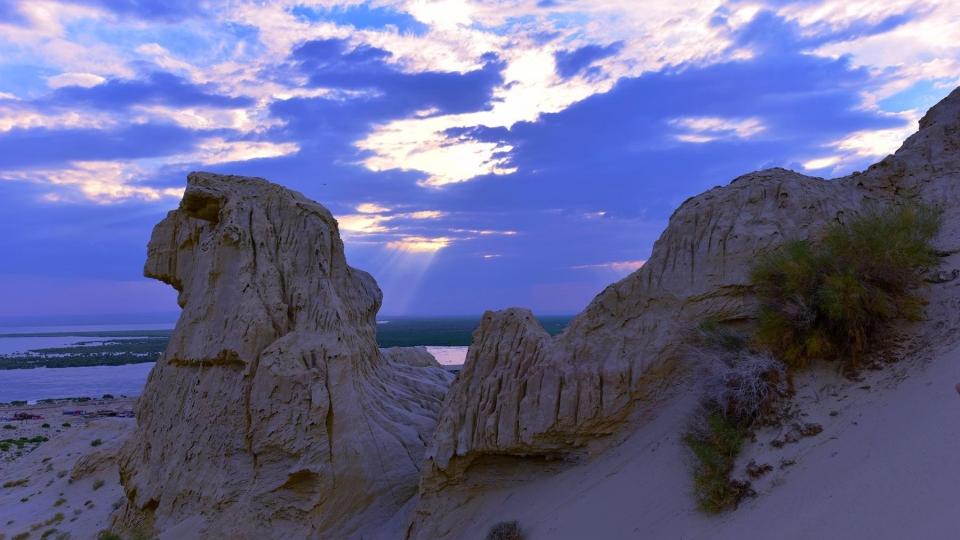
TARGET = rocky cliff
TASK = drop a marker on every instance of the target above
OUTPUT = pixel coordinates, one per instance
(524, 397)
(272, 413)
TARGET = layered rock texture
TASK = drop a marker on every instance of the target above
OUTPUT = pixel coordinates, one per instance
(525, 397)
(272, 414)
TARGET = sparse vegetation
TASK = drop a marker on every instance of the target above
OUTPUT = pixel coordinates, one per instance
(716, 449)
(59, 502)
(16, 483)
(829, 299)
(108, 535)
(96, 442)
(740, 390)
(505, 530)
(66, 424)
(97, 484)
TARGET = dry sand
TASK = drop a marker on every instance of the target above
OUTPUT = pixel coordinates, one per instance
(64, 484)
(884, 467)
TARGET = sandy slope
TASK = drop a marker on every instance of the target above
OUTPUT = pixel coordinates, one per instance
(70, 485)
(884, 467)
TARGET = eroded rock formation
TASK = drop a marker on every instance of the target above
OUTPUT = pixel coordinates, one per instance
(525, 396)
(272, 413)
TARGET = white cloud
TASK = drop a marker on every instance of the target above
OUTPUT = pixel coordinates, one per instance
(619, 267)
(85, 80)
(926, 46)
(363, 223)
(19, 116)
(218, 150)
(420, 244)
(704, 129)
(371, 208)
(866, 144)
(102, 182)
(821, 163)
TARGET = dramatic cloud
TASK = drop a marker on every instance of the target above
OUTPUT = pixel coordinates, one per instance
(533, 148)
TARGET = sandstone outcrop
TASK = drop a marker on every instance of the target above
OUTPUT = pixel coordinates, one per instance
(272, 414)
(525, 396)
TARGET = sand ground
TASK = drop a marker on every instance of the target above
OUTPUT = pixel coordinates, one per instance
(67, 486)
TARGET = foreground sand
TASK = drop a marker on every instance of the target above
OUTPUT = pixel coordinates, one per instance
(65, 484)
(884, 467)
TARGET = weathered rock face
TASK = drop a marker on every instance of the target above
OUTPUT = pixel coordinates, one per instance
(272, 413)
(527, 396)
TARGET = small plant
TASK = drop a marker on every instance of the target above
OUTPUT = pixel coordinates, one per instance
(59, 502)
(16, 483)
(716, 447)
(505, 530)
(97, 484)
(108, 535)
(96, 442)
(9, 426)
(45, 425)
(830, 299)
(741, 388)
(66, 424)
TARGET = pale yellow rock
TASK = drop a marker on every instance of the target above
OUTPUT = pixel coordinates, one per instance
(272, 414)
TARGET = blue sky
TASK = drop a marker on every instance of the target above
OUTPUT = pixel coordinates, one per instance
(478, 154)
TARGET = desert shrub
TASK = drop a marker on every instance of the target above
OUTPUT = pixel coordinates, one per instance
(745, 387)
(739, 389)
(108, 535)
(16, 483)
(96, 442)
(97, 484)
(505, 530)
(830, 298)
(716, 446)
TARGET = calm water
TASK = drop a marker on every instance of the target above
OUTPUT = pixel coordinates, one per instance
(446, 338)
(95, 381)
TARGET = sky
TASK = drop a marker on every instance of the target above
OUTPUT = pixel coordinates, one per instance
(477, 154)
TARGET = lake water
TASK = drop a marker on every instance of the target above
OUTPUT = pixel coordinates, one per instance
(446, 338)
(92, 381)
(95, 381)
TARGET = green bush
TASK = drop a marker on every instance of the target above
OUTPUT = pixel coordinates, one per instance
(716, 448)
(828, 299)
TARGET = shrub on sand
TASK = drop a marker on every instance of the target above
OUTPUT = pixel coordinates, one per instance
(505, 530)
(739, 390)
(829, 299)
